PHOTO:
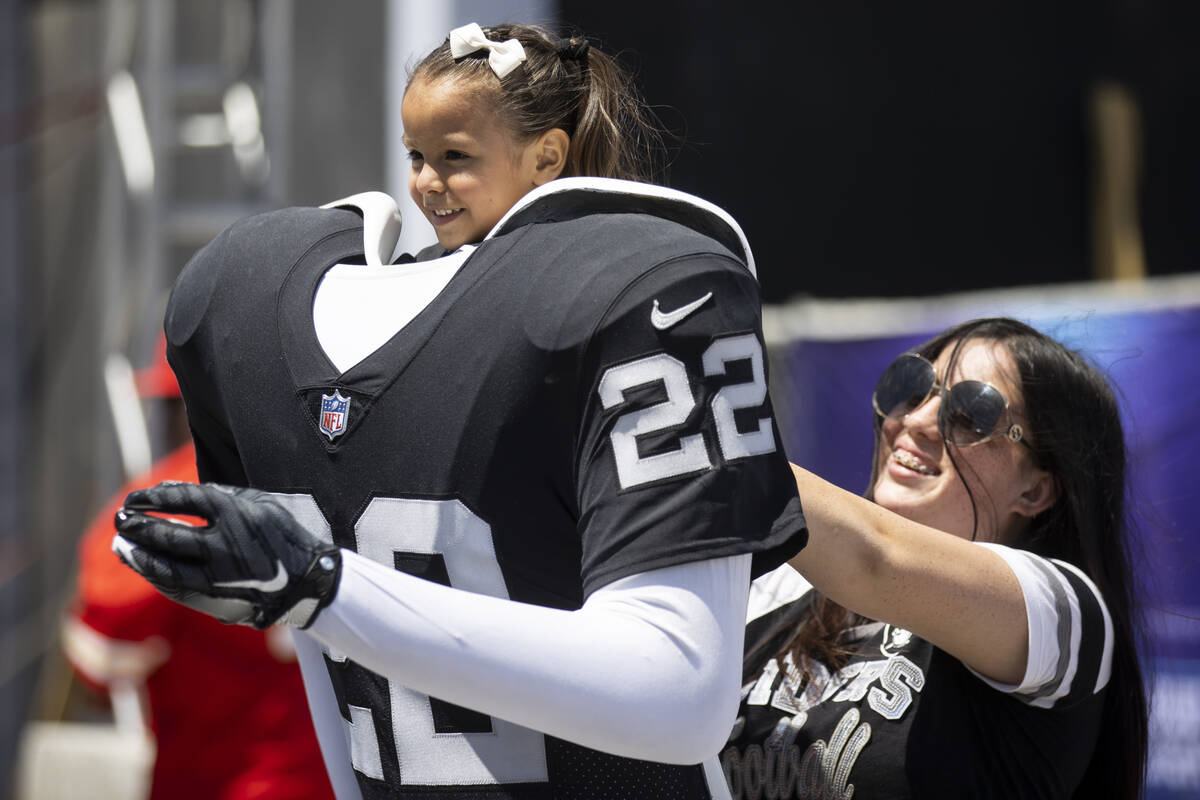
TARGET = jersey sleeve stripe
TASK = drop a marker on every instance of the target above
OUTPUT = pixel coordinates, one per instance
(1091, 632)
(1097, 630)
(1070, 631)
(1066, 638)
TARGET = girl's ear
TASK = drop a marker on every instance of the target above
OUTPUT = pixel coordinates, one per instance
(1040, 493)
(550, 155)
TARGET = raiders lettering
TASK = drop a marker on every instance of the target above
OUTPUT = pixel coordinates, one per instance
(780, 768)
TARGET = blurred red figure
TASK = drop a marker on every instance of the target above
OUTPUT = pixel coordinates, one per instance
(226, 702)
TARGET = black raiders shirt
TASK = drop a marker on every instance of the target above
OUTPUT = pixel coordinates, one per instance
(588, 392)
(903, 719)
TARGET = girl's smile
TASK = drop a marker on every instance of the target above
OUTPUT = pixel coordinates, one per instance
(443, 216)
(467, 169)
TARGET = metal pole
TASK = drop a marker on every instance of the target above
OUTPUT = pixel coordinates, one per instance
(16, 690)
(277, 33)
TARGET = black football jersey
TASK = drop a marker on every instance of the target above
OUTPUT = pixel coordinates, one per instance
(903, 719)
(585, 400)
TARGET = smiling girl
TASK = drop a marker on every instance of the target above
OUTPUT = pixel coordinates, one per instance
(568, 110)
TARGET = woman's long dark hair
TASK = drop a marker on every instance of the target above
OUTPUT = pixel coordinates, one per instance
(1074, 426)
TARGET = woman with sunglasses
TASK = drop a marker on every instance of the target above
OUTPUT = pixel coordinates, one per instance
(972, 632)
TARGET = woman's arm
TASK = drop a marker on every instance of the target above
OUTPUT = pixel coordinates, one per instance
(957, 595)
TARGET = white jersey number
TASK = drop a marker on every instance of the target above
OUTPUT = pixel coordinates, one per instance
(390, 525)
(691, 455)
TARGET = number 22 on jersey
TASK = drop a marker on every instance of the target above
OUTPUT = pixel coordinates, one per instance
(691, 456)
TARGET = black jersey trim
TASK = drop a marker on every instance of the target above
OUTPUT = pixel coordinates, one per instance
(788, 535)
(1062, 609)
(1090, 652)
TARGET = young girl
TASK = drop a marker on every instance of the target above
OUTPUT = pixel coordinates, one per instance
(1004, 660)
(478, 142)
(513, 491)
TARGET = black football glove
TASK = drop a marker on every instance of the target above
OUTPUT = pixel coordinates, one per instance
(253, 564)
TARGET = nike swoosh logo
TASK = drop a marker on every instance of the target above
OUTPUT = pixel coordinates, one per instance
(274, 585)
(667, 319)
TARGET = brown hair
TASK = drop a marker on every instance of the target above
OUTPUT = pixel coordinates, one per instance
(563, 83)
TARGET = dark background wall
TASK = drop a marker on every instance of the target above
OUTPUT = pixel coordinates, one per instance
(882, 149)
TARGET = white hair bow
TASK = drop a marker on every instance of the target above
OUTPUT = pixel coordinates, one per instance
(502, 56)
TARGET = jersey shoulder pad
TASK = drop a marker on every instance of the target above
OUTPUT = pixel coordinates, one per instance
(253, 247)
(381, 224)
(570, 198)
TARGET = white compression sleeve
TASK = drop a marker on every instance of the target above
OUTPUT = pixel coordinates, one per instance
(648, 668)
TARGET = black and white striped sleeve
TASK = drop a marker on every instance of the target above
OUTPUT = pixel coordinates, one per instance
(1070, 632)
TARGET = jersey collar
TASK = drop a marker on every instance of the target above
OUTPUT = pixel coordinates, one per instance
(565, 196)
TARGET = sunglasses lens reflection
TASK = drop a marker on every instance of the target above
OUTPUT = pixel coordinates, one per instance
(970, 412)
(903, 386)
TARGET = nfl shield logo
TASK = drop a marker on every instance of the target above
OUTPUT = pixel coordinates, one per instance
(335, 413)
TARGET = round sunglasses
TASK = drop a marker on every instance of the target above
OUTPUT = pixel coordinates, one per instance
(971, 411)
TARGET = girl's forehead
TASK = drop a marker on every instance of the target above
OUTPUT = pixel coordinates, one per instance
(447, 97)
(444, 107)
